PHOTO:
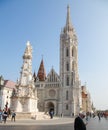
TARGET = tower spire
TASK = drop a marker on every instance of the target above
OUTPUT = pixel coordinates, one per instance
(41, 72)
(68, 29)
(68, 20)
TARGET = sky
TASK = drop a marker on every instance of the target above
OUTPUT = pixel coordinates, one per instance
(40, 22)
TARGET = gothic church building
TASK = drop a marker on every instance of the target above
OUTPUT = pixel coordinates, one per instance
(61, 92)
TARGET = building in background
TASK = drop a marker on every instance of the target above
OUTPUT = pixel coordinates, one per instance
(6, 89)
(87, 105)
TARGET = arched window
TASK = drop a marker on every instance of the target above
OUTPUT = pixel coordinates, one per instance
(67, 52)
(72, 78)
(66, 95)
(67, 81)
(72, 51)
(67, 66)
(66, 106)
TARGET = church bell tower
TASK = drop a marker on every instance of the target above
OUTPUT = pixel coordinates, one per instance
(69, 68)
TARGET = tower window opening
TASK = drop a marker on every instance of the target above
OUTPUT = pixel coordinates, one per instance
(67, 81)
(66, 95)
(67, 66)
(67, 107)
(67, 52)
(72, 79)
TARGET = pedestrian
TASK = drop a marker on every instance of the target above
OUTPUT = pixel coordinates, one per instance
(61, 114)
(51, 113)
(13, 116)
(86, 118)
(1, 115)
(79, 123)
(5, 116)
(99, 116)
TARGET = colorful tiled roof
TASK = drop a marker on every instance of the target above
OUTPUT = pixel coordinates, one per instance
(41, 72)
(9, 84)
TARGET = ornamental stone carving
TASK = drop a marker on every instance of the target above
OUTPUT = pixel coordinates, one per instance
(52, 93)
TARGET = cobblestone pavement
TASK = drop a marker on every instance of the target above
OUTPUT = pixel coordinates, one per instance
(47, 124)
(53, 124)
(96, 124)
(54, 121)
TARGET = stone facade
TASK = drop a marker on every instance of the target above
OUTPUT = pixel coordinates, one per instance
(48, 92)
(61, 93)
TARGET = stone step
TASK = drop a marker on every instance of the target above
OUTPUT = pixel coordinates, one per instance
(35, 116)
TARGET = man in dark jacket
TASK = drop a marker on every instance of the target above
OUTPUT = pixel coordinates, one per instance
(5, 116)
(79, 124)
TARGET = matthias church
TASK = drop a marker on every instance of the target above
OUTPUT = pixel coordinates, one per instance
(61, 92)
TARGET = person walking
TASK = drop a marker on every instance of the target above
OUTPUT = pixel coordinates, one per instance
(5, 116)
(13, 116)
(99, 116)
(1, 115)
(79, 123)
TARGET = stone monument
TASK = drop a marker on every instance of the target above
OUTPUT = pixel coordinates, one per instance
(24, 96)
